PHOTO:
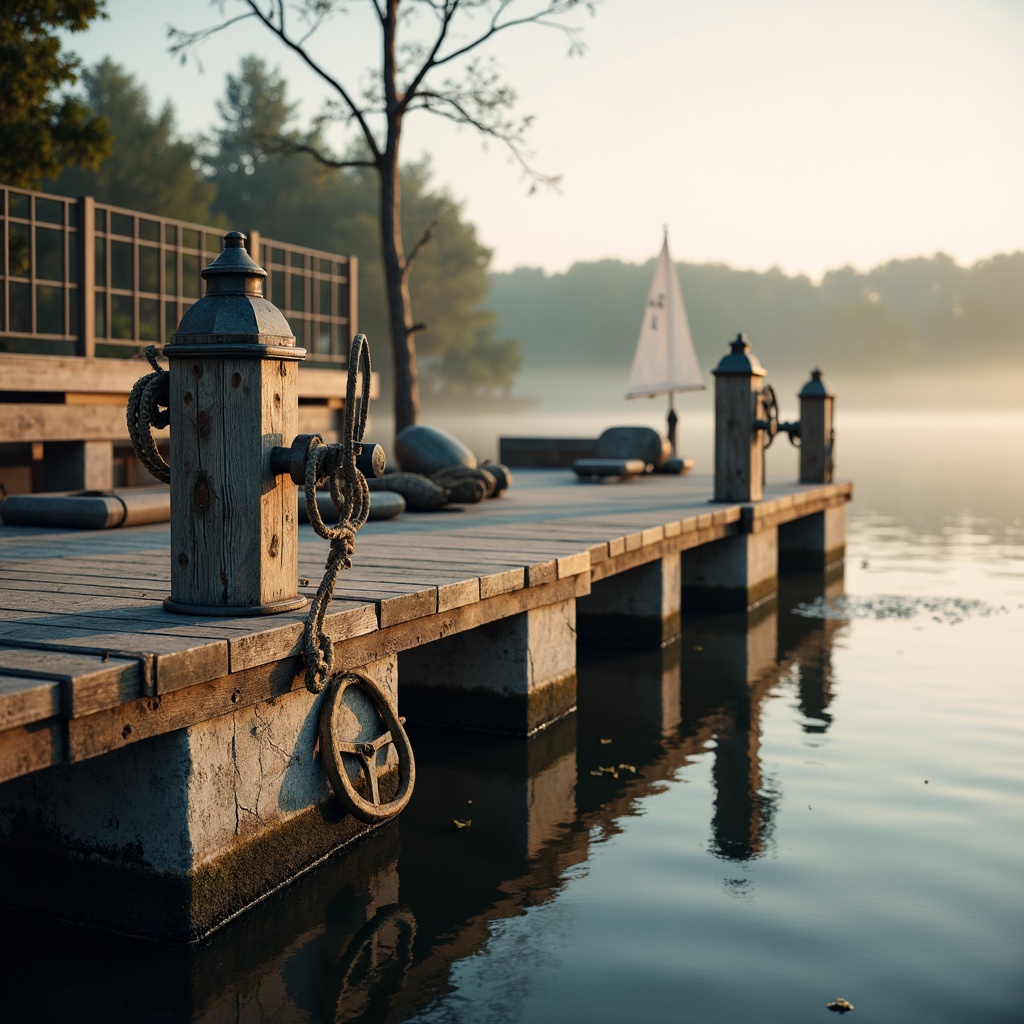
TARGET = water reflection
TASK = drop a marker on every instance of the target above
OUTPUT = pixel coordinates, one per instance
(374, 934)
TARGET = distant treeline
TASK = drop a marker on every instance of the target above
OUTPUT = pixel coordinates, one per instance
(915, 314)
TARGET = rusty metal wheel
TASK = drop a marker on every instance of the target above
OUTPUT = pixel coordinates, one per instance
(336, 715)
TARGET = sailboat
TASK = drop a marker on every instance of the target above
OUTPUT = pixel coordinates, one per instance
(665, 361)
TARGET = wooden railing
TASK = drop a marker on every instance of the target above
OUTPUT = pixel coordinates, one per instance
(78, 277)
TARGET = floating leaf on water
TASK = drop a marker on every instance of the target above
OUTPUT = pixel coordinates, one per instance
(627, 768)
(463, 824)
(697, 647)
(840, 1005)
(605, 742)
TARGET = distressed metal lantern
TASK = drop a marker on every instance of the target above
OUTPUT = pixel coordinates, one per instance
(233, 398)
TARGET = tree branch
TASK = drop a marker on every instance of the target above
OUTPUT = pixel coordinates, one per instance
(424, 241)
(280, 144)
(184, 40)
(554, 9)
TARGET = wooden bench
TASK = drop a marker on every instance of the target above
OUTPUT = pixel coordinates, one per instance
(66, 415)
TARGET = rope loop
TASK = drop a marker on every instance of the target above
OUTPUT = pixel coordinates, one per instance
(336, 463)
(149, 407)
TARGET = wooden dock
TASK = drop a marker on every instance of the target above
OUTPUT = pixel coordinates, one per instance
(91, 663)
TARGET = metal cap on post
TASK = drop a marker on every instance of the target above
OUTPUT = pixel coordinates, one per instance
(817, 430)
(233, 399)
(738, 438)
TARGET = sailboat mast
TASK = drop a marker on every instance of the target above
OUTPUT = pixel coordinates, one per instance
(673, 419)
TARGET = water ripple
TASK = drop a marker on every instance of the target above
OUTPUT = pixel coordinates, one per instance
(947, 610)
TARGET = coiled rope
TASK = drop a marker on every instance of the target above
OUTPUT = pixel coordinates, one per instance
(148, 407)
(351, 495)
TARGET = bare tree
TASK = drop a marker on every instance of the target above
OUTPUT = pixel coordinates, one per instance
(449, 75)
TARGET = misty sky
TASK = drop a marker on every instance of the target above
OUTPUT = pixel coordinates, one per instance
(804, 134)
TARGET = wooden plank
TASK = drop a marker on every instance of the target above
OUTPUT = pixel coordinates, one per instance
(113, 728)
(116, 377)
(345, 619)
(27, 748)
(89, 682)
(25, 699)
(57, 373)
(45, 422)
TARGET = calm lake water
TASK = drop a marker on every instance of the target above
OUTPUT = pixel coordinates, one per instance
(822, 800)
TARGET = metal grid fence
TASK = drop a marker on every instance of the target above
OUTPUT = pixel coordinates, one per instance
(78, 277)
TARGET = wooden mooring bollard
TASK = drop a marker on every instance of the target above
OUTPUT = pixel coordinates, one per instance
(233, 397)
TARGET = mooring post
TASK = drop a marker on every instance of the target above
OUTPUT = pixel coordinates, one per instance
(741, 572)
(815, 543)
(739, 441)
(817, 434)
(233, 399)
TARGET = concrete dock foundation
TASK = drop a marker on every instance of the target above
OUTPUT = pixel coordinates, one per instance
(816, 543)
(173, 837)
(733, 574)
(637, 608)
(515, 675)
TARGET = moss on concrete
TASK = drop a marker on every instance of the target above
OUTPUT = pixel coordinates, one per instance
(111, 889)
(706, 598)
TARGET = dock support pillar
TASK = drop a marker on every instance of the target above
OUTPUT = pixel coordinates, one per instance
(733, 574)
(515, 675)
(637, 608)
(816, 543)
(170, 837)
(78, 465)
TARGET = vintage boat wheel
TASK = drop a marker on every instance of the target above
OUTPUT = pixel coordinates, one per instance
(370, 808)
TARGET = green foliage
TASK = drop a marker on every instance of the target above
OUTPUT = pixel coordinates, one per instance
(41, 128)
(905, 315)
(149, 168)
(292, 197)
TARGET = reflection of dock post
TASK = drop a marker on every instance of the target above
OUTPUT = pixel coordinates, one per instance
(638, 607)
(741, 650)
(515, 675)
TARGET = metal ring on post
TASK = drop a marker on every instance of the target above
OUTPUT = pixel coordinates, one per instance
(371, 810)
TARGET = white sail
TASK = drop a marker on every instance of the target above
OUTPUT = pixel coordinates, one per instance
(665, 359)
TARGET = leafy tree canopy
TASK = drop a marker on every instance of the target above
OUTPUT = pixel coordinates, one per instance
(43, 129)
(149, 168)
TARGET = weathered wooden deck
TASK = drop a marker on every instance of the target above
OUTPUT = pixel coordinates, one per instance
(90, 662)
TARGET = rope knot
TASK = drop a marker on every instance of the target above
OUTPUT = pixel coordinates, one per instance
(336, 463)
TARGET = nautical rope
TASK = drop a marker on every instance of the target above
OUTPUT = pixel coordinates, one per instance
(148, 408)
(351, 495)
